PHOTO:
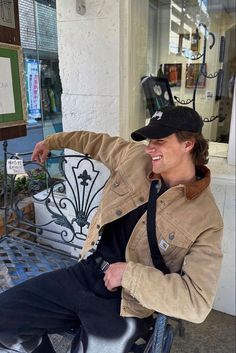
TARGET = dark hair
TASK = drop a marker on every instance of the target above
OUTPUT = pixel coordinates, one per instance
(200, 150)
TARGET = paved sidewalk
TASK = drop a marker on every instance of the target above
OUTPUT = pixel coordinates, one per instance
(215, 335)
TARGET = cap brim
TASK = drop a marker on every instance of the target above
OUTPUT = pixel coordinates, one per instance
(151, 132)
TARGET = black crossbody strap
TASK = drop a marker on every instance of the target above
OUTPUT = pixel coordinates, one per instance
(157, 258)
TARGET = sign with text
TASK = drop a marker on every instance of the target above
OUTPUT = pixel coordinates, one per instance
(15, 166)
(7, 104)
(12, 92)
(33, 90)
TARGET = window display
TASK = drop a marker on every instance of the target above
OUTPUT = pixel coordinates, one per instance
(197, 48)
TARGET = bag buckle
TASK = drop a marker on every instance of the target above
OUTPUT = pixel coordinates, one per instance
(104, 266)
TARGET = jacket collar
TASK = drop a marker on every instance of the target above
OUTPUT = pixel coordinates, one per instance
(194, 189)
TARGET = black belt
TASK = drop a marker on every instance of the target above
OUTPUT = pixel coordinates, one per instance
(101, 262)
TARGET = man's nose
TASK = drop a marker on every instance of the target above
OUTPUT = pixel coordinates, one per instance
(150, 147)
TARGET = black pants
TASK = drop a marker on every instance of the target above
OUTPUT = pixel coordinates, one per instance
(60, 300)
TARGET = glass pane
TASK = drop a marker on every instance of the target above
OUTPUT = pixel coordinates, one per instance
(28, 44)
(38, 33)
(47, 56)
(196, 53)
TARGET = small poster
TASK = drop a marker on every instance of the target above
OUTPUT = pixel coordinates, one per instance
(195, 75)
(33, 89)
(7, 104)
(173, 73)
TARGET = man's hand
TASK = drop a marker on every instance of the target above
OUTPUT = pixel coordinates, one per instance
(40, 152)
(113, 275)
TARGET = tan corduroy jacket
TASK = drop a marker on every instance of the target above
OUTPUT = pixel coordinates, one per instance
(189, 230)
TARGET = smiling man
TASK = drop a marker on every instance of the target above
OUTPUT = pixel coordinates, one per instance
(111, 294)
(170, 149)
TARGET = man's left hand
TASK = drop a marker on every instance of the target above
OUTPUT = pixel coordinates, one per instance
(113, 275)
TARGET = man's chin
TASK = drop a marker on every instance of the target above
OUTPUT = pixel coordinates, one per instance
(156, 170)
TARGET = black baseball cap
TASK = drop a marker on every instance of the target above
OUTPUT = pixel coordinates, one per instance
(169, 120)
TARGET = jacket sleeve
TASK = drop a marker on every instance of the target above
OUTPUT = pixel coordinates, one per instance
(188, 296)
(101, 147)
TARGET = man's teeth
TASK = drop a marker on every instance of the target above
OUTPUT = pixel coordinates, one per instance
(156, 158)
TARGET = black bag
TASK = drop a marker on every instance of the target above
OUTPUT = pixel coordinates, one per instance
(157, 92)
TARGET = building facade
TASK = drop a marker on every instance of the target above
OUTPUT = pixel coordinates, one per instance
(90, 67)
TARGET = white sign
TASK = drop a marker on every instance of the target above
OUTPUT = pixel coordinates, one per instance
(15, 166)
(7, 104)
(209, 95)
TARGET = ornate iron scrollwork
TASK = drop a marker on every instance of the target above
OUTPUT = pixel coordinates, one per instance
(70, 199)
(183, 102)
(212, 118)
(202, 71)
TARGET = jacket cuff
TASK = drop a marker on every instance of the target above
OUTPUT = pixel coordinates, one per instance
(131, 277)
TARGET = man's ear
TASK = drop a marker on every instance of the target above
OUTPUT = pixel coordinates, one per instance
(189, 144)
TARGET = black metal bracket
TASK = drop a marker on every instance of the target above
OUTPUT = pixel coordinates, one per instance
(202, 72)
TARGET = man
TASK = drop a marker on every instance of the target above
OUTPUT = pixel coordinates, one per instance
(111, 294)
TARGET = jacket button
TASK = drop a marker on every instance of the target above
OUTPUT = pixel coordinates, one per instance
(98, 226)
(172, 236)
(118, 212)
(141, 199)
(92, 243)
(116, 184)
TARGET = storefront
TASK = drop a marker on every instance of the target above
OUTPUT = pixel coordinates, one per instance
(106, 50)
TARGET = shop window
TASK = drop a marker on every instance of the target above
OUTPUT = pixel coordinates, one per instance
(192, 44)
(38, 32)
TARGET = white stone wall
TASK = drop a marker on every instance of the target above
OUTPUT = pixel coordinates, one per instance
(223, 188)
(89, 65)
(225, 196)
(133, 63)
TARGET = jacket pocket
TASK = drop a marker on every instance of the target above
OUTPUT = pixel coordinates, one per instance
(171, 236)
(118, 185)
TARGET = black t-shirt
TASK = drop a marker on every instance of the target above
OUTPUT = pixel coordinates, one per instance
(116, 234)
